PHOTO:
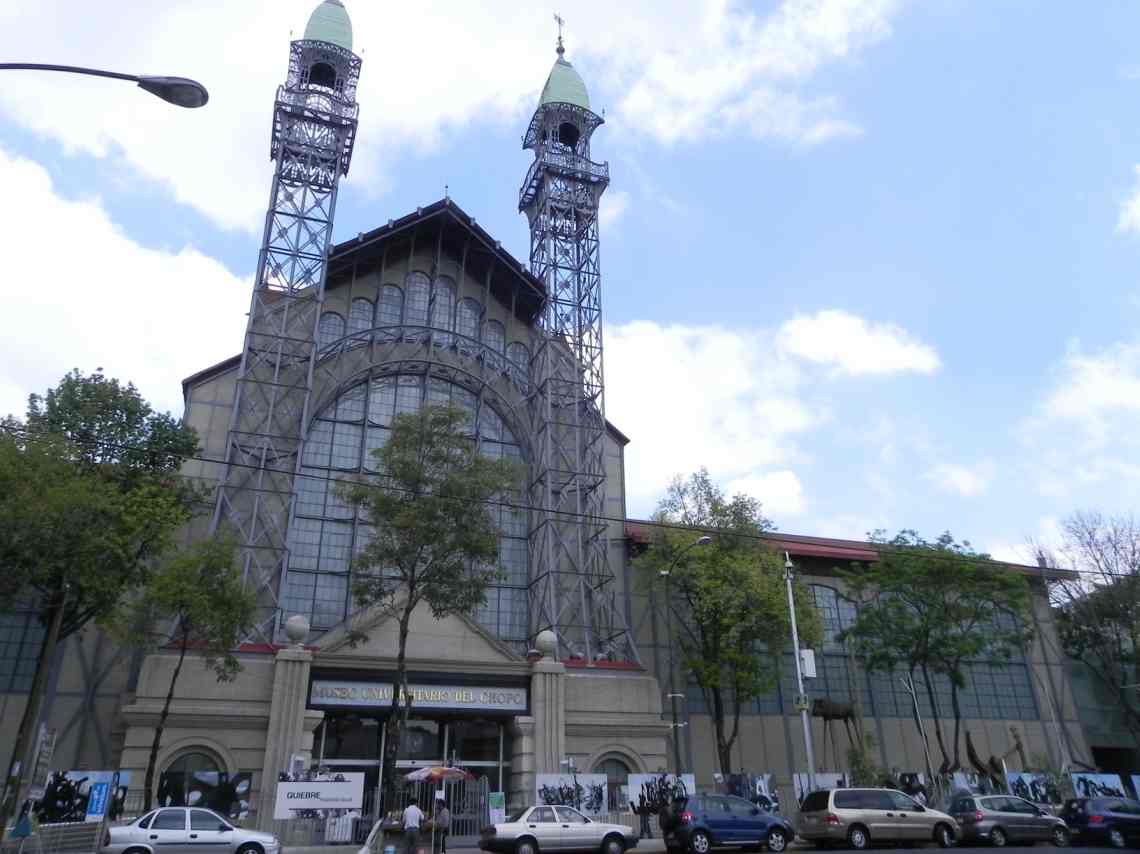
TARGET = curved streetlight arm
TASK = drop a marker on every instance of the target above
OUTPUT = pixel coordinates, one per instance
(180, 91)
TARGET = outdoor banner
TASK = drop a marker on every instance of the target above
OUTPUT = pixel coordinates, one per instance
(1098, 786)
(497, 807)
(45, 749)
(826, 780)
(73, 796)
(310, 800)
(585, 792)
(973, 783)
(1038, 788)
(657, 789)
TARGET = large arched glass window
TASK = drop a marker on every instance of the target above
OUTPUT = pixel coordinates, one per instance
(495, 337)
(330, 330)
(442, 309)
(323, 535)
(185, 780)
(360, 317)
(467, 324)
(518, 354)
(418, 297)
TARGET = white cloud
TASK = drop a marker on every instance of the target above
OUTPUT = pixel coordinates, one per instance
(959, 479)
(780, 492)
(850, 345)
(79, 293)
(682, 70)
(1129, 218)
(613, 207)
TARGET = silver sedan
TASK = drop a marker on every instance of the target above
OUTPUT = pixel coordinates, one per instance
(547, 828)
(183, 830)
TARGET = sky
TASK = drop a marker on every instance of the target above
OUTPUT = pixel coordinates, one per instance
(872, 262)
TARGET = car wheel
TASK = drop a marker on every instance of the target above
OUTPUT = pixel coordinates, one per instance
(858, 838)
(526, 846)
(700, 842)
(943, 836)
(998, 839)
(1059, 837)
(777, 840)
(1115, 837)
(612, 845)
(251, 848)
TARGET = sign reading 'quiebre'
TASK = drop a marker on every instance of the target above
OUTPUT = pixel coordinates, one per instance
(337, 692)
(343, 794)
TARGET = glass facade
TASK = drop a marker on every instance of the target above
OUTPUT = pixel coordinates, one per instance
(21, 635)
(324, 534)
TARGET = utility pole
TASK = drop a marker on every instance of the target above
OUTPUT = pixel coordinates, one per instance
(801, 697)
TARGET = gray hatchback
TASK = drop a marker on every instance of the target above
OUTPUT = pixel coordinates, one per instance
(1000, 819)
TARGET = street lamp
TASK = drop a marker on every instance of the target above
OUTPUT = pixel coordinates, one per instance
(675, 728)
(180, 91)
(801, 697)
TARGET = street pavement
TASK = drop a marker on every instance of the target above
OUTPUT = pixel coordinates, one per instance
(656, 846)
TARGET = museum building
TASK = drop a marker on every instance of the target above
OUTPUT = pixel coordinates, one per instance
(565, 666)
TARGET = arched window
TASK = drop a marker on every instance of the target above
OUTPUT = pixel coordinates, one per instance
(360, 319)
(518, 354)
(331, 329)
(418, 297)
(568, 134)
(322, 74)
(390, 312)
(467, 324)
(495, 337)
(324, 535)
(617, 776)
(442, 309)
(188, 780)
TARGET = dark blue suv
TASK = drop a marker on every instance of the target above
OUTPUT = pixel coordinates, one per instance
(1112, 821)
(700, 823)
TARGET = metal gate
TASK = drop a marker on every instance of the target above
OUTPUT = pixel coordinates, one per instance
(466, 800)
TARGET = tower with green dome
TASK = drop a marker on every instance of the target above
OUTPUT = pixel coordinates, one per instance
(314, 129)
(573, 591)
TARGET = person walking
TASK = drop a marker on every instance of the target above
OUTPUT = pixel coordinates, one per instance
(413, 818)
(442, 823)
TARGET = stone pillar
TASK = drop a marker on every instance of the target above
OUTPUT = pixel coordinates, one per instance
(540, 739)
(287, 716)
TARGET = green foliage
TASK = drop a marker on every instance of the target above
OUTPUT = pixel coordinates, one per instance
(436, 532)
(861, 767)
(932, 607)
(727, 599)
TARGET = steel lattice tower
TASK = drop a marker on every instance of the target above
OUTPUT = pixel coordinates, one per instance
(314, 128)
(572, 588)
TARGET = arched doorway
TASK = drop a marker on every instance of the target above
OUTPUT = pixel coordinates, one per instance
(617, 779)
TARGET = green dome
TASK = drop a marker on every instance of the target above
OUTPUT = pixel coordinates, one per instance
(329, 23)
(564, 86)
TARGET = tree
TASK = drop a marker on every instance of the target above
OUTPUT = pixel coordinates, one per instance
(88, 499)
(435, 534)
(193, 602)
(1098, 615)
(930, 608)
(727, 599)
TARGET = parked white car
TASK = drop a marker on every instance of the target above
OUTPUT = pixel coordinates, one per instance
(537, 829)
(186, 830)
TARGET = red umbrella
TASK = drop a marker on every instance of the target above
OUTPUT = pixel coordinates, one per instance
(438, 774)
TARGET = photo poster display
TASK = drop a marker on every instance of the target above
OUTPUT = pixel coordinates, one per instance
(913, 783)
(974, 783)
(1035, 787)
(826, 780)
(659, 789)
(1098, 786)
(328, 798)
(585, 792)
(72, 796)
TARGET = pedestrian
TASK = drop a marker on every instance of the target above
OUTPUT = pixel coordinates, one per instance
(442, 823)
(413, 818)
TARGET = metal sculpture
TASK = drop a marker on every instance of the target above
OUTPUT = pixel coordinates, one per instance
(314, 129)
(572, 587)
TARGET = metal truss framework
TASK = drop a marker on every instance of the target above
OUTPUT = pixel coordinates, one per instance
(314, 129)
(572, 589)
